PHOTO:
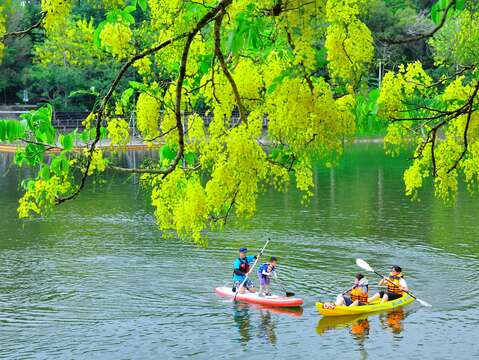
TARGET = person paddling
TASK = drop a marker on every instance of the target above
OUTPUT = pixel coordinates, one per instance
(240, 269)
(265, 273)
(395, 283)
(358, 295)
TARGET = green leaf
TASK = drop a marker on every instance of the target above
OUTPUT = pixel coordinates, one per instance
(460, 4)
(3, 130)
(103, 133)
(44, 172)
(14, 130)
(126, 95)
(443, 4)
(166, 153)
(190, 158)
(138, 86)
(34, 153)
(129, 19)
(60, 165)
(436, 14)
(96, 34)
(83, 92)
(129, 9)
(20, 157)
(67, 141)
(84, 136)
(142, 4)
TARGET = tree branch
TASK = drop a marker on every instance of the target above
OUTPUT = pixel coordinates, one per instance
(224, 67)
(22, 33)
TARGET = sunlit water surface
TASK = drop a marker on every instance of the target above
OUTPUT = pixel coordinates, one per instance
(95, 279)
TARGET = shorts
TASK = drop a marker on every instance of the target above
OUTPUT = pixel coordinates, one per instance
(247, 284)
(348, 301)
(391, 296)
(264, 280)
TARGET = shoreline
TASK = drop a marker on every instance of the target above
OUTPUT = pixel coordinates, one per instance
(136, 145)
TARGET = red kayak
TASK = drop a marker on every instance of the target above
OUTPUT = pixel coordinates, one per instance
(254, 298)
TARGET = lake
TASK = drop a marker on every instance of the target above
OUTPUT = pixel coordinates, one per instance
(95, 280)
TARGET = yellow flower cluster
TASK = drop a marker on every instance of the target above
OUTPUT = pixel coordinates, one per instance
(56, 14)
(348, 40)
(118, 132)
(3, 28)
(41, 196)
(143, 66)
(148, 115)
(116, 38)
(98, 163)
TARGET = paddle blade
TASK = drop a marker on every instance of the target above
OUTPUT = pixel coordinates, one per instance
(289, 293)
(364, 265)
(423, 303)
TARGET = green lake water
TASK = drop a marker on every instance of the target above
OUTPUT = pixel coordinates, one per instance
(96, 281)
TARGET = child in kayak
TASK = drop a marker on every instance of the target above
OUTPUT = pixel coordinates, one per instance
(240, 269)
(265, 272)
(357, 296)
(396, 285)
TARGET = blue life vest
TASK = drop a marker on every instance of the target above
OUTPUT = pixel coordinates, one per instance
(265, 268)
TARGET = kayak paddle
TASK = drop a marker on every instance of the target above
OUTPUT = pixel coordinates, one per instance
(288, 293)
(364, 265)
(251, 269)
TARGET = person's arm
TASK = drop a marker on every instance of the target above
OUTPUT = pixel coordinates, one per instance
(383, 281)
(251, 258)
(265, 272)
(274, 274)
(403, 285)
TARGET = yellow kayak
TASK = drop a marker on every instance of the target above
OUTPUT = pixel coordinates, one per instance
(329, 309)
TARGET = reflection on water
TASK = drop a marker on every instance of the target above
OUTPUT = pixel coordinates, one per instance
(393, 320)
(95, 280)
(262, 323)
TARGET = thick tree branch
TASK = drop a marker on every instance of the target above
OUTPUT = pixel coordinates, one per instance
(224, 67)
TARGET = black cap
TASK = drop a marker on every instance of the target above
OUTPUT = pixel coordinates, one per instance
(243, 250)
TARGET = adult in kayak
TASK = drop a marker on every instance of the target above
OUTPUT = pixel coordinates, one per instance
(358, 295)
(395, 286)
(265, 273)
(240, 268)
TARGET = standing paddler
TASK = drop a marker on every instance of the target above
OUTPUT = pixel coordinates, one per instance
(241, 267)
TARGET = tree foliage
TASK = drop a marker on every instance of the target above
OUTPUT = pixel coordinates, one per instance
(305, 66)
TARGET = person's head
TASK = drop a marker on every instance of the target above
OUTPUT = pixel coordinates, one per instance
(273, 261)
(242, 252)
(396, 270)
(358, 278)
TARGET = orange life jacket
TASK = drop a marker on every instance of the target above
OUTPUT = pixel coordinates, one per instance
(393, 284)
(359, 293)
